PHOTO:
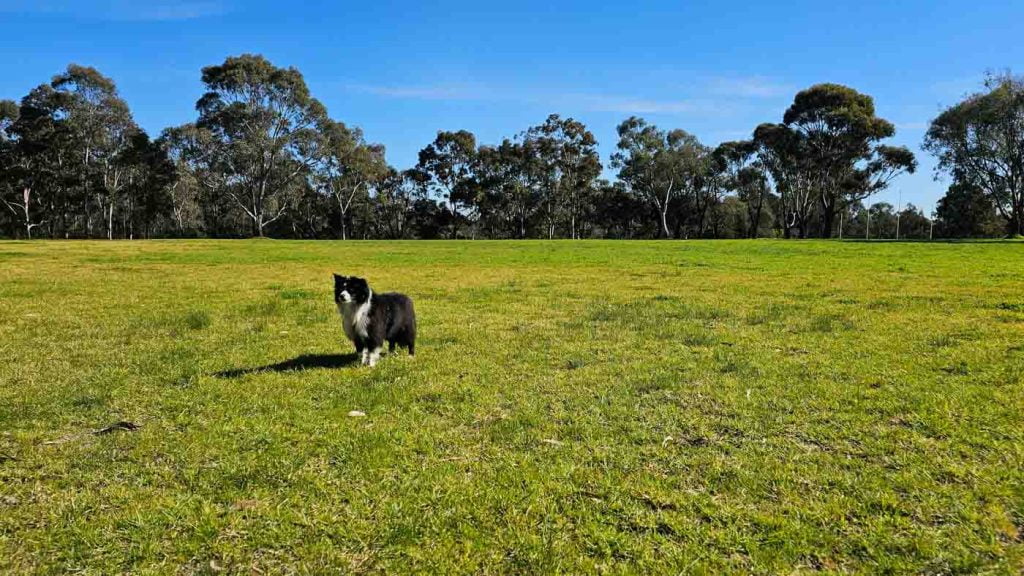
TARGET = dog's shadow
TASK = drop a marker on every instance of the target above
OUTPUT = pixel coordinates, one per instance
(303, 362)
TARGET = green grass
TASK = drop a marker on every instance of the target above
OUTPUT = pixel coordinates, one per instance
(640, 407)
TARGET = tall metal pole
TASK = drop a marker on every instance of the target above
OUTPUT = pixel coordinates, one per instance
(841, 225)
(867, 229)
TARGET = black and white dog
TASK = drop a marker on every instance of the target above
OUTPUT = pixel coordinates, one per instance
(369, 319)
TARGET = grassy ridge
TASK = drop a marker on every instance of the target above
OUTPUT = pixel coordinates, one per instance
(629, 407)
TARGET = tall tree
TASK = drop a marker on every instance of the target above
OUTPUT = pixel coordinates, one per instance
(265, 127)
(200, 196)
(40, 166)
(11, 194)
(980, 142)
(395, 195)
(746, 177)
(346, 168)
(513, 176)
(658, 165)
(151, 175)
(841, 138)
(450, 164)
(103, 129)
(571, 163)
(782, 152)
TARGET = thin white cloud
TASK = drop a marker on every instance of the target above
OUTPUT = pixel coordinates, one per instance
(453, 92)
(119, 10)
(720, 95)
(588, 102)
(912, 126)
(628, 105)
(749, 87)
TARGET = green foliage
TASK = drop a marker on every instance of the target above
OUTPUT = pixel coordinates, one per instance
(449, 166)
(837, 135)
(264, 158)
(659, 166)
(265, 132)
(980, 142)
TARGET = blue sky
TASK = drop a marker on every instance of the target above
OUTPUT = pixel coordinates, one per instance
(402, 70)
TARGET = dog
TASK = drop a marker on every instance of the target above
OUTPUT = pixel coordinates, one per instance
(369, 319)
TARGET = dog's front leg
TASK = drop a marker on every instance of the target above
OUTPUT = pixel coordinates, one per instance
(375, 355)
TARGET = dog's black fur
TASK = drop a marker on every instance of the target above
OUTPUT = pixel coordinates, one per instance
(370, 319)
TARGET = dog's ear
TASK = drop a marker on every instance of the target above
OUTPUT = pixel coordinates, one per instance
(338, 278)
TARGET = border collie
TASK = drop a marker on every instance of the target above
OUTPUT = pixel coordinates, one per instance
(369, 319)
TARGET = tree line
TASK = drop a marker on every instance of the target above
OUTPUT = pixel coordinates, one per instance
(264, 158)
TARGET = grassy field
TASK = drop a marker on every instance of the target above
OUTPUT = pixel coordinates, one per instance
(691, 407)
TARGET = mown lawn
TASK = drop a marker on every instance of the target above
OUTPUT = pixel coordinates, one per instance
(637, 407)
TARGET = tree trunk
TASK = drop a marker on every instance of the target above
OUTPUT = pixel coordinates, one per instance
(455, 218)
(828, 216)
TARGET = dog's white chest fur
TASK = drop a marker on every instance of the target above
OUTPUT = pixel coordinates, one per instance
(355, 318)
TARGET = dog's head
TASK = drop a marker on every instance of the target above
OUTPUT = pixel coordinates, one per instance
(349, 290)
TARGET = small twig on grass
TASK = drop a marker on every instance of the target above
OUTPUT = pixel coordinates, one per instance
(122, 425)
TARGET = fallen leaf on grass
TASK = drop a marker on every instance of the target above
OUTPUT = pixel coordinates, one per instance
(357, 414)
(247, 504)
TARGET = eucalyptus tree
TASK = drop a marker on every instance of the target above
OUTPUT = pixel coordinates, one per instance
(64, 146)
(265, 127)
(102, 128)
(658, 166)
(450, 163)
(743, 174)
(618, 212)
(40, 165)
(512, 175)
(151, 176)
(13, 196)
(395, 195)
(781, 151)
(568, 154)
(706, 188)
(841, 144)
(346, 168)
(200, 198)
(966, 211)
(980, 142)
(184, 192)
